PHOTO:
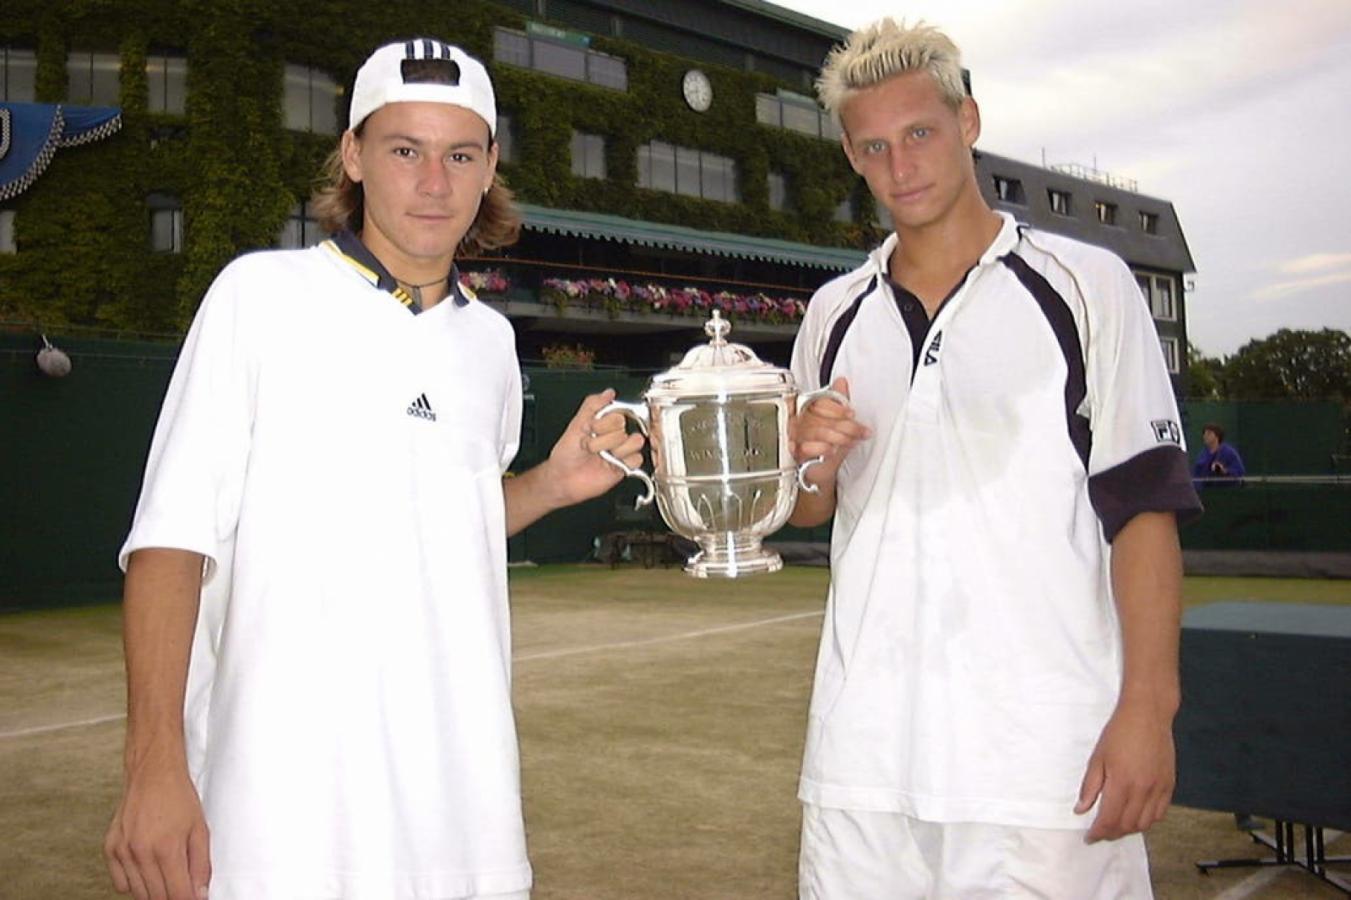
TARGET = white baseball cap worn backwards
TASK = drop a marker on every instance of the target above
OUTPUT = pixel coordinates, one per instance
(384, 78)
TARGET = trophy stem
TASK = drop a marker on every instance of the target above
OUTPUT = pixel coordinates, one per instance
(731, 556)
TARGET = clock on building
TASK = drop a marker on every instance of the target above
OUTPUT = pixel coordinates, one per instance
(697, 90)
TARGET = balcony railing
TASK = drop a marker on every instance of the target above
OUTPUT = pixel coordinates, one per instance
(1093, 173)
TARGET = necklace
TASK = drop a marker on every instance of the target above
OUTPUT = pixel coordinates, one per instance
(415, 290)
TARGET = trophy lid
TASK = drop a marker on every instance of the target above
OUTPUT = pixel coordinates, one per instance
(720, 367)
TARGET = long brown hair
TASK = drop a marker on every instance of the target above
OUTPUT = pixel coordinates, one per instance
(339, 203)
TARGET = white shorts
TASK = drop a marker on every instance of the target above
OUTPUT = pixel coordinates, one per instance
(859, 855)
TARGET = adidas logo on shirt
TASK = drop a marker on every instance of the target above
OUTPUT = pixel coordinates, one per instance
(421, 408)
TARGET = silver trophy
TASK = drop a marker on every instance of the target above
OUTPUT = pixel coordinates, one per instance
(722, 473)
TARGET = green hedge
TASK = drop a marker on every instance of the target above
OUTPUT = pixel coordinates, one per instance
(82, 230)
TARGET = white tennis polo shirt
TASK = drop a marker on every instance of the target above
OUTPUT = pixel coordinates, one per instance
(971, 652)
(338, 461)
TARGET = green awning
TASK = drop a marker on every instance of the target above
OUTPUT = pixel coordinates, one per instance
(602, 226)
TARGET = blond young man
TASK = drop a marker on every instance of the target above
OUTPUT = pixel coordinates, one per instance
(997, 675)
(316, 628)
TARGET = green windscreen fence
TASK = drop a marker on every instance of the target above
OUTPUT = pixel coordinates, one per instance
(1312, 516)
(551, 400)
(1298, 495)
(1275, 438)
(72, 452)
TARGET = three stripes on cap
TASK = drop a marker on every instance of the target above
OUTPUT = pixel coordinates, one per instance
(429, 48)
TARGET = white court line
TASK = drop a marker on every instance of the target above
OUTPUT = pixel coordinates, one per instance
(1259, 880)
(529, 657)
(43, 729)
(683, 636)
(1252, 884)
(1246, 888)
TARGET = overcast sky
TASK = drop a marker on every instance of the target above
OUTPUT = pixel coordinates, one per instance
(1237, 111)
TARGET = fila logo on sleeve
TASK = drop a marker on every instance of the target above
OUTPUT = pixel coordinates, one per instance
(421, 409)
(931, 354)
(1166, 431)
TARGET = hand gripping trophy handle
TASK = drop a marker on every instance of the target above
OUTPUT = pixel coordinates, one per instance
(804, 401)
(637, 412)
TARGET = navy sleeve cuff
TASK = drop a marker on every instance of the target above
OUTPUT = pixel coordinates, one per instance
(1157, 480)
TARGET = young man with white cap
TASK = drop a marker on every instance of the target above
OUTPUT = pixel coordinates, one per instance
(316, 626)
(997, 675)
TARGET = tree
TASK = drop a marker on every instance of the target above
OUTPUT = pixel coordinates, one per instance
(1298, 365)
(1205, 375)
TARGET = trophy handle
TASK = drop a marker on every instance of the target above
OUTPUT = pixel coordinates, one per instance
(639, 414)
(804, 401)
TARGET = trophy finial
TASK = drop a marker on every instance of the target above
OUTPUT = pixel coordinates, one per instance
(718, 328)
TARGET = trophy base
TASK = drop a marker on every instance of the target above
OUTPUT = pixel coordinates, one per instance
(732, 559)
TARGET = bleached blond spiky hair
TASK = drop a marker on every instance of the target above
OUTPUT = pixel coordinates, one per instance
(876, 52)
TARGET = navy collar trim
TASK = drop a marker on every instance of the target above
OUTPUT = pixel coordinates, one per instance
(359, 256)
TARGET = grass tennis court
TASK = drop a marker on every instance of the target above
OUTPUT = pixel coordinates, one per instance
(661, 726)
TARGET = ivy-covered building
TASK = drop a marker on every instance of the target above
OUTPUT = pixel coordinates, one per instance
(668, 157)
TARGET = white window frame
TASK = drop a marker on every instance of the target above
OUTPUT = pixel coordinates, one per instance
(1145, 282)
(613, 75)
(1054, 194)
(516, 42)
(1149, 222)
(1172, 354)
(845, 211)
(718, 178)
(165, 208)
(656, 166)
(596, 74)
(162, 72)
(702, 171)
(800, 118)
(1163, 303)
(689, 166)
(7, 242)
(505, 136)
(320, 93)
(831, 129)
(770, 109)
(77, 60)
(1106, 212)
(11, 60)
(1008, 189)
(1160, 293)
(558, 59)
(776, 184)
(588, 155)
(303, 226)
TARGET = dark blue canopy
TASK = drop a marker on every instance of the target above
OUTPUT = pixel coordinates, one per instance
(31, 133)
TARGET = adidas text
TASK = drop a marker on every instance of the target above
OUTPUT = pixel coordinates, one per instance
(421, 408)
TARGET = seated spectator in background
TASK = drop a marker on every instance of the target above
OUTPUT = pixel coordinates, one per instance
(1218, 461)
